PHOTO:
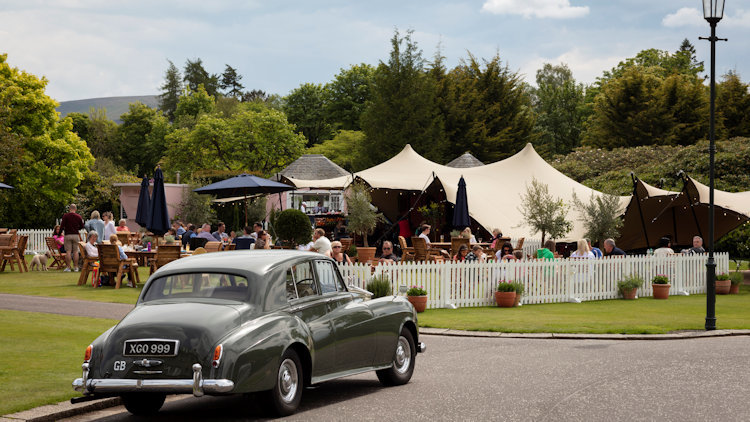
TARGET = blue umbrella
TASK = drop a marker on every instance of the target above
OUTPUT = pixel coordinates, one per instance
(243, 185)
(158, 222)
(144, 204)
(461, 209)
(4, 186)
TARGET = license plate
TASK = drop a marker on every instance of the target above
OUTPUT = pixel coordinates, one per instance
(151, 347)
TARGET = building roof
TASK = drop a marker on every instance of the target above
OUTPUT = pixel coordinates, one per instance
(313, 167)
(465, 161)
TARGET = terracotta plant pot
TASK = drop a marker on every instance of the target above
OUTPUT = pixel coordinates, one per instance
(734, 289)
(419, 302)
(629, 294)
(723, 286)
(661, 291)
(505, 299)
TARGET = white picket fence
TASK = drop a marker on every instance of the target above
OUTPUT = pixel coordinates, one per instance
(36, 242)
(564, 280)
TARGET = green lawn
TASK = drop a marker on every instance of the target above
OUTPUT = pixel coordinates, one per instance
(40, 355)
(641, 316)
(55, 283)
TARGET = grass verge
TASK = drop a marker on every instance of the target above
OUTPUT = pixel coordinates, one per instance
(40, 355)
(641, 316)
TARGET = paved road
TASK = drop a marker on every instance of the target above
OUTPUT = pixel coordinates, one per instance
(522, 379)
(64, 306)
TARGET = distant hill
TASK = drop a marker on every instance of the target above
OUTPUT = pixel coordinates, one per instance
(115, 106)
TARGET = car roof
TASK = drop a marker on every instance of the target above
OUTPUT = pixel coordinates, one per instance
(252, 261)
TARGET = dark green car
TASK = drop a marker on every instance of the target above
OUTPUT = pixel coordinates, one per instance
(248, 321)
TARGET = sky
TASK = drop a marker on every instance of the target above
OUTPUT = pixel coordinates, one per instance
(89, 49)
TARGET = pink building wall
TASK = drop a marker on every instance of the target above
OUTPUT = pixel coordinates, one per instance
(129, 193)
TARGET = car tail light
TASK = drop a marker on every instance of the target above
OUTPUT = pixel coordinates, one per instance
(218, 352)
(87, 355)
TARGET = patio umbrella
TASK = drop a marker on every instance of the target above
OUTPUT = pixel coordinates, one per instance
(158, 222)
(242, 186)
(4, 186)
(461, 208)
(144, 204)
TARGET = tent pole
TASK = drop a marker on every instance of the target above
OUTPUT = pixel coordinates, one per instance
(244, 191)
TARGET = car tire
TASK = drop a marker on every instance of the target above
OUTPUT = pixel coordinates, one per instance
(142, 404)
(285, 396)
(404, 358)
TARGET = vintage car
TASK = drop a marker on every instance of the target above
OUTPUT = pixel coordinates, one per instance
(248, 321)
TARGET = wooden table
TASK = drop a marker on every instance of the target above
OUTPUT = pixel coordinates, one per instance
(447, 245)
(141, 257)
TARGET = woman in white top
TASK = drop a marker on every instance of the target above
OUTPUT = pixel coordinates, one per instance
(466, 234)
(664, 247)
(90, 247)
(583, 250)
(109, 225)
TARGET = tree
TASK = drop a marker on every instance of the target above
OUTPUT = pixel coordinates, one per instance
(494, 113)
(544, 213)
(345, 149)
(230, 82)
(558, 103)
(293, 227)
(363, 217)
(170, 91)
(195, 74)
(141, 138)
(196, 208)
(733, 105)
(192, 105)
(101, 136)
(600, 216)
(403, 109)
(305, 108)
(347, 96)
(49, 159)
(255, 95)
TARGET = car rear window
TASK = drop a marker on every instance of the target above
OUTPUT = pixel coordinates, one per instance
(198, 285)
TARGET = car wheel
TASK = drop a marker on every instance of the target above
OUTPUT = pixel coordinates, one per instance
(403, 361)
(287, 393)
(143, 403)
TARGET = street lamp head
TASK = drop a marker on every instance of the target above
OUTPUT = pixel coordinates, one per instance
(713, 10)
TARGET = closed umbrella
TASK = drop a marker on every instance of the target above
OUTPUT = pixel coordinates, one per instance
(461, 208)
(159, 218)
(144, 204)
(242, 186)
(4, 186)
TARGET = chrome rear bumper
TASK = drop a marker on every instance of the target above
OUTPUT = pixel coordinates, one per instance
(421, 347)
(197, 386)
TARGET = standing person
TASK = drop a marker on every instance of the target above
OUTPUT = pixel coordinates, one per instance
(548, 251)
(95, 224)
(697, 245)
(321, 244)
(583, 250)
(664, 248)
(610, 249)
(596, 251)
(109, 225)
(71, 224)
(336, 252)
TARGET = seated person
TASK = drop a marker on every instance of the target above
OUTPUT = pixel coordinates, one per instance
(387, 256)
(461, 254)
(114, 241)
(319, 209)
(425, 234)
(205, 233)
(466, 234)
(337, 253)
(90, 247)
(476, 254)
(496, 235)
(664, 247)
(122, 227)
(506, 249)
(190, 233)
(547, 252)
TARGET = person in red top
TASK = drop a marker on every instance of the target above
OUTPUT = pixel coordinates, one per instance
(71, 224)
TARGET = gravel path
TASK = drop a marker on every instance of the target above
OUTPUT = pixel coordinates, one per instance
(72, 307)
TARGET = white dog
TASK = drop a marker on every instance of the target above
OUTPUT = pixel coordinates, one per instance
(39, 261)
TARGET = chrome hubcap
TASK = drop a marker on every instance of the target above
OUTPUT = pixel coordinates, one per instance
(402, 360)
(288, 380)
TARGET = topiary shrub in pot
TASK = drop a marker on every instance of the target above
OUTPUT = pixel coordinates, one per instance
(723, 284)
(293, 227)
(505, 294)
(660, 285)
(379, 286)
(628, 286)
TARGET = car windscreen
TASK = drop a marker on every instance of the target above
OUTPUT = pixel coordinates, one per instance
(198, 285)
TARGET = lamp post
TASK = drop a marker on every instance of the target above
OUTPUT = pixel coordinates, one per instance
(713, 11)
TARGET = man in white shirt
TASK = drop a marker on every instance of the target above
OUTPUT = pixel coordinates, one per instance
(425, 233)
(321, 244)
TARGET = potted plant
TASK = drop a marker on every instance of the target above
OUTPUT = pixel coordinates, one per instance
(629, 286)
(519, 288)
(379, 286)
(505, 296)
(660, 284)
(293, 227)
(418, 297)
(723, 284)
(735, 278)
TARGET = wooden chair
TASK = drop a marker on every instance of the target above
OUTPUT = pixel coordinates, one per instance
(110, 263)
(422, 252)
(124, 238)
(164, 255)
(15, 254)
(365, 255)
(346, 243)
(214, 246)
(456, 243)
(407, 253)
(88, 262)
(519, 245)
(230, 246)
(58, 258)
(199, 251)
(6, 244)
